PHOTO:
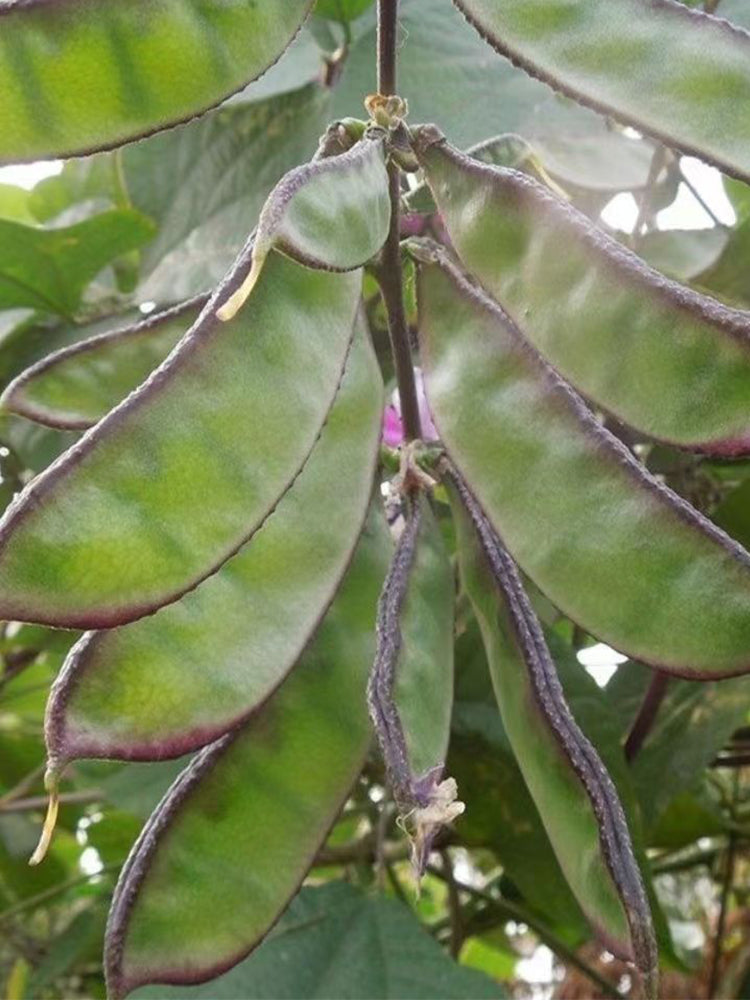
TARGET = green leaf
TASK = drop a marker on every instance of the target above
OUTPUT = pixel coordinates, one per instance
(693, 723)
(668, 361)
(205, 184)
(169, 484)
(335, 941)
(423, 689)
(333, 213)
(610, 55)
(172, 682)
(14, 203)
(74, 387)
(254, 807)
(342, 10)
(614, 549)
(48, 269)
(575, 796)
(77, 77)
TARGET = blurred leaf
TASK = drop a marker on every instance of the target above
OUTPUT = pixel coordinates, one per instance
(694, 721)
(342, 10)
(205, 183)
(14, 203)
(334, 941)
(683, 253)
(48, 269)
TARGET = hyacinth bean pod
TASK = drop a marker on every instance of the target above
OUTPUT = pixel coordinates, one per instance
(172, 682)
(670, 71)
(231, 841)
(575, 796)
(662, 358)
(163, 490)
(71, 389)
(614, 549)
(82, 75)
(332, 213)
(423, 687)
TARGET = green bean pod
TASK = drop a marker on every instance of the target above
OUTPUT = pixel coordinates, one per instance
(576, 798)
(174, 681)
(668, 70)
(81, 75)
(73, 388)
(163, 490)
(662, 358)
(255, 807)
(613, 548)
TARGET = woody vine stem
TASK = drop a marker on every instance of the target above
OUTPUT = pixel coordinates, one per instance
(389, 273)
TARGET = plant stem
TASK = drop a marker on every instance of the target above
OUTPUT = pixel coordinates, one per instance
(387, 33)
(644, 720)
(724, 906)
(389, 274)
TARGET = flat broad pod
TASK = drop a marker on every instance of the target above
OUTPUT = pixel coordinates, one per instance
(73, 388)
(575, 509)
(255, 806)
(410, 692)
(77, 77)
(662, 358)
(573, 792)
(120, 524)
(332, 213)
(612, 57)
(174, 681)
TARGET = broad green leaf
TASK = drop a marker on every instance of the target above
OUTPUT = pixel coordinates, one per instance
(205, 184)
(78, 77)
(74, 387)
(611, 56)
(172, 682)
(169, 484)
(668, 361)
(48, 269)
(576, 798)
(333, 213)
(423, 688)
(231, 841)
(336, 941)
(615, 550)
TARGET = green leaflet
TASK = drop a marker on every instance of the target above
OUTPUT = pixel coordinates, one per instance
(620, 554)
(74, 387)
(170, 483)
(78, 76)
(424, 672)
(333, 213)
(48, 269)
(254, 807)
(666, 360)
(677, 74)
(575, 796)
(172, 682)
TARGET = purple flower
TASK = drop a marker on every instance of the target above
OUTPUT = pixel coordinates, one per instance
(393, 431)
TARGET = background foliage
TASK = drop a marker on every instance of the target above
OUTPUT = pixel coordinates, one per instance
(160, 221)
